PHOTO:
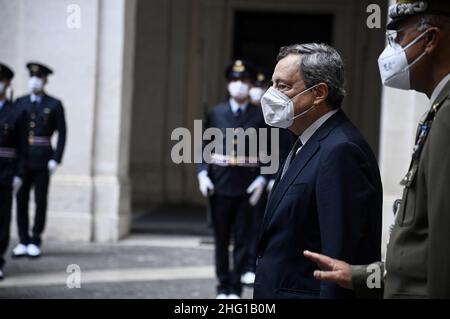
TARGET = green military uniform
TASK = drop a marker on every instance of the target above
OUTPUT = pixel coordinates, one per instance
(418, 253)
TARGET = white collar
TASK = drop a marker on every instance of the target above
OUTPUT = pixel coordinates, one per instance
(439, 87)
(35, 98)
(2, 103)
(306, 135)
(235, 105)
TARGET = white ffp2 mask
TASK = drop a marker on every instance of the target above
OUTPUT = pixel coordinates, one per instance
(256, 94)
(35, 84)
(278, 108)
(394, 67)
(238, 89)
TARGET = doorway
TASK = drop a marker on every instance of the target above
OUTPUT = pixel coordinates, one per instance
(258, 35)
(181, 50)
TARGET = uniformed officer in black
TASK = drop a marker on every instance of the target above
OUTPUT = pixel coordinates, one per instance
(12, 157)
(233, 185)
(45, 116)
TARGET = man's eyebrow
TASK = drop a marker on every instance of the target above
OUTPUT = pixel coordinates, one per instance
(277, 80)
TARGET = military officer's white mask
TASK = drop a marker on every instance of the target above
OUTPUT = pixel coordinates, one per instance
(238, 89)
(35, 84)
(394, 67)
(256, 94)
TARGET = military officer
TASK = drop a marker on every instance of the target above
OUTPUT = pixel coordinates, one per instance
(45, 116)
(12, 157)
(259, 88)
(418, 254)
(233, 185)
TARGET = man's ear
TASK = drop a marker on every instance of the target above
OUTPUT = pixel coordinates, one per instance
(432, 39)
(321, 91)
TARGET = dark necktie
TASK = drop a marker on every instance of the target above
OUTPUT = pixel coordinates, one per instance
(238, 113)
(291, 155)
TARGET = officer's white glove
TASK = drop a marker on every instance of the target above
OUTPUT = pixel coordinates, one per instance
(16, 184)
(206, 186)
(270, 185)
(52, 165)
(256, 189)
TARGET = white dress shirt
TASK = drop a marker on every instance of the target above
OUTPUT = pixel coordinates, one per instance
(306, 135)
(35, 98)
(236, 106)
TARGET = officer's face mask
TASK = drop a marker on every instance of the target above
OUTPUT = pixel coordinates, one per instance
(36, 84)
(278, 108)
(3, 87)
(238, 90)
(394, 66)
(256, 94)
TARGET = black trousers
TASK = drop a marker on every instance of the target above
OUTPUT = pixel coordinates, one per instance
(39, 179)
(230, 216)
(5, 220)
(256, 220)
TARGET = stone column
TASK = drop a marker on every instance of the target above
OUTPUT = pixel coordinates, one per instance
(401, 112)
(111, 141)
(89, 196)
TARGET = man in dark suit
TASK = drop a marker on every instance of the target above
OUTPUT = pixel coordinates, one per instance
(231, 180)
(45, 116)
(12, 157)
(286, 140)
(327, 196)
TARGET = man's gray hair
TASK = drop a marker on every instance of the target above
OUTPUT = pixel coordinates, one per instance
(320, 63)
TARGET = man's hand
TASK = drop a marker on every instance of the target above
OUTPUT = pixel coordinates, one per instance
(52, 165)
(16, 184)
(256, 189)
(333, 270)
(205, 183)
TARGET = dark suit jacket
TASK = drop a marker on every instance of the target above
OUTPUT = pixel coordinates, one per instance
(329, 201)
(12, 135)
(43, 120)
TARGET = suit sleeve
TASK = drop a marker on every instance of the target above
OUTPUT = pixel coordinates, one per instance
(61, 128)
(345, 191)
(438, 185)
(22, 143)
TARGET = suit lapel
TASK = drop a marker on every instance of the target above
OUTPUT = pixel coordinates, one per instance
(244, 116)
(44, 102)
(231, 118)
(6, 108)
(297, 165)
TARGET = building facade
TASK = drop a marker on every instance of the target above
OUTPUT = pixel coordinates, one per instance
(131, 71)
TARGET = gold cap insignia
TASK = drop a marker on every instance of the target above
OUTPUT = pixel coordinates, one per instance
(238, 66)
(34, 68)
